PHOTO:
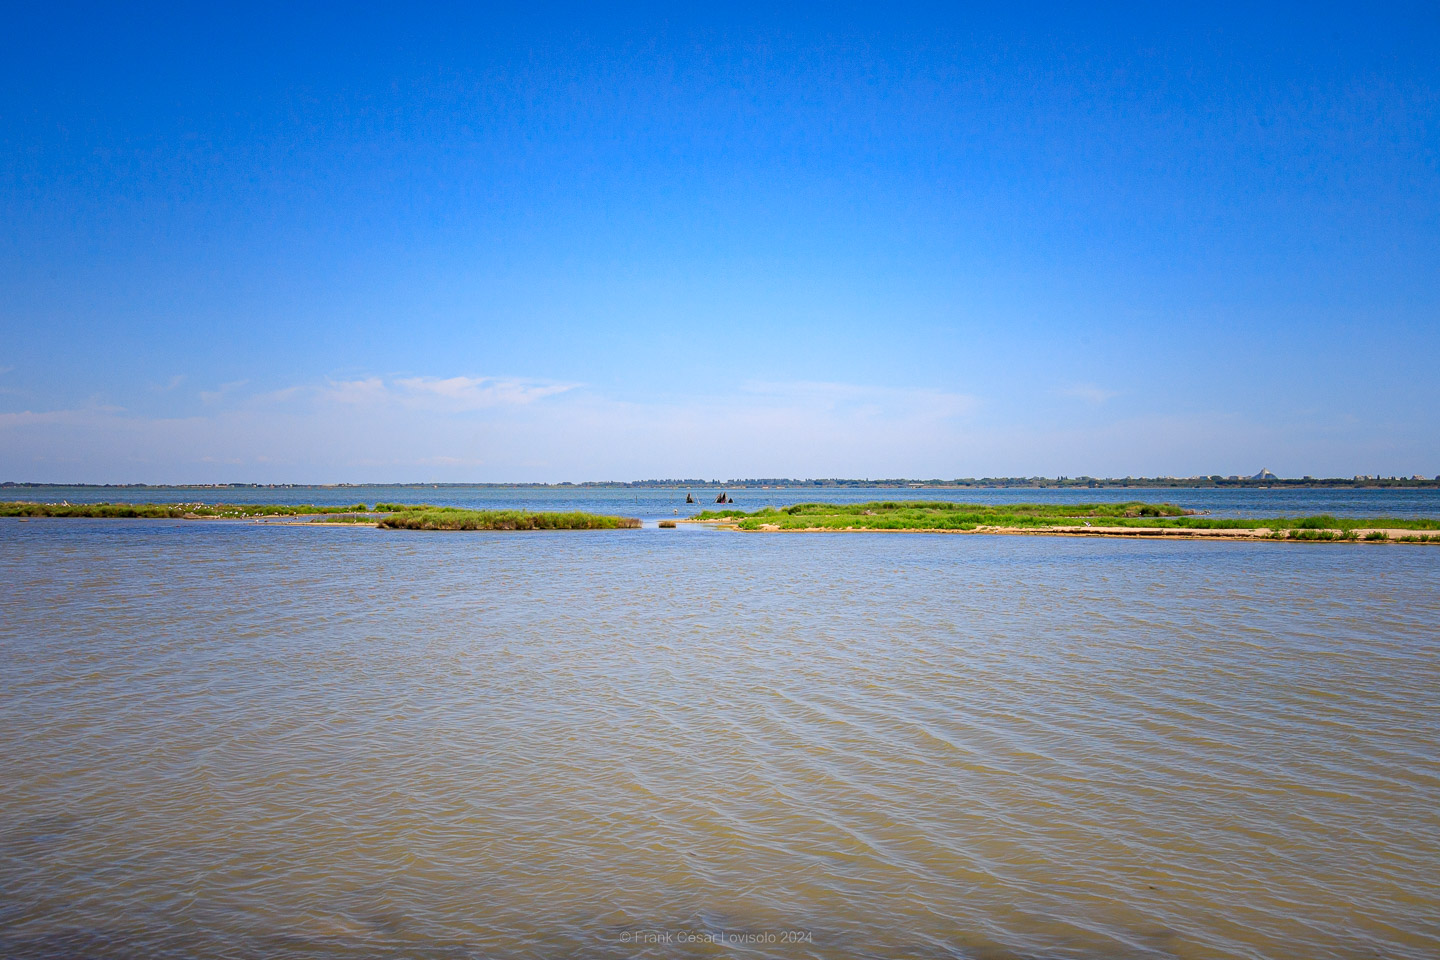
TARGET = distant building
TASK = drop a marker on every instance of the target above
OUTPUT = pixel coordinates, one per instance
(1264, 474)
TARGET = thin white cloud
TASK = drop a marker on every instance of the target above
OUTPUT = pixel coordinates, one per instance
(1089, 393)
(478, 428)
(281, 397)
(477, 393)
(504, 428)
(440, 394)
(223, 391)
(357, 392)
(81, 416)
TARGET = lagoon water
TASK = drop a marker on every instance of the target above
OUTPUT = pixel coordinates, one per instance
(246, 740)
(661, 502)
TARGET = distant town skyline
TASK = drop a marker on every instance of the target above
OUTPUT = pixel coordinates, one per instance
(461, 244)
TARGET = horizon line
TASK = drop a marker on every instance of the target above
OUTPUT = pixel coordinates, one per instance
(1265, 477)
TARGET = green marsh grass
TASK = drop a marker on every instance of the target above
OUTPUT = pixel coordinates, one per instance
(393, 515)
(929, 515)
(164, 510)
(454, 518)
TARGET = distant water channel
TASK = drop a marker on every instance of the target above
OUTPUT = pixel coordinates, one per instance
(658, 503)
(239, 740)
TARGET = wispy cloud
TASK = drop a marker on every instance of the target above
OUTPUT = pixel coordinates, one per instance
(476, 393)
(221, 392)
(1088, 393)
(468, 427)
(168, 385)
(76, 416)
(367, 391)
(432, 394)
(379, 428)
(495, 428)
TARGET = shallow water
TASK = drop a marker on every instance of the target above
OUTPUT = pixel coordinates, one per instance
(235, 740)
(652, 503)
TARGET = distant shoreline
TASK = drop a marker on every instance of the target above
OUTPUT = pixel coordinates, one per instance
(987, 483)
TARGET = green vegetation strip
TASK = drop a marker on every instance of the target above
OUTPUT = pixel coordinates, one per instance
(453, 518)
(393, 515)
(162, 510)
(922, 515)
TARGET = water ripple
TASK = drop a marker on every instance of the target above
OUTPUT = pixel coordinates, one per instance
(236, 741)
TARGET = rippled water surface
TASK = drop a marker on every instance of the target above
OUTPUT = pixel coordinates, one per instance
(239, 740)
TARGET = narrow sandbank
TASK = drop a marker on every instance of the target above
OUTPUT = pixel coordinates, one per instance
(1132, 519)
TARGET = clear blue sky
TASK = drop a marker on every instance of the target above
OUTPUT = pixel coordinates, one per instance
(451, 243)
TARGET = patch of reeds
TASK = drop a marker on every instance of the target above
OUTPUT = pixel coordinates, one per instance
(167, 510)
(454, 518)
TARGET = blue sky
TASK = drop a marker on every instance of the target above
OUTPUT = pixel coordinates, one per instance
(451, 243)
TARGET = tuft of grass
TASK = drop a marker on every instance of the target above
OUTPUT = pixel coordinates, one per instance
(454, 518)
(1377, 535)
(1309, 533)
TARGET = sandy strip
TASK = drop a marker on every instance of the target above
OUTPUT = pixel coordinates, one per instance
(1142, 533)
(273, 520)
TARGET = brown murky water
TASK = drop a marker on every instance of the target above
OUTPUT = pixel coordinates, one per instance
(240, 741)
